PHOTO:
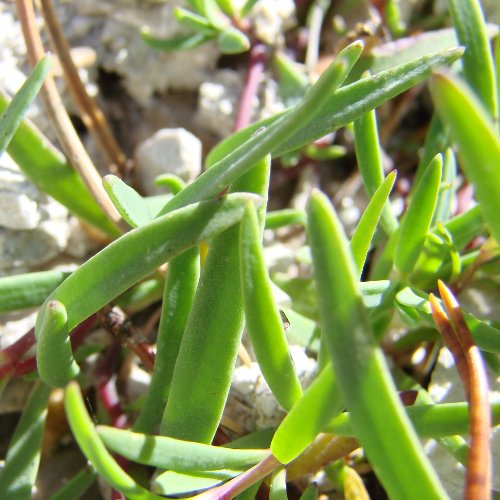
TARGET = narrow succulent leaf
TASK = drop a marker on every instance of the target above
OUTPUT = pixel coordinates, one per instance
(139, 252)
(77, 485)
(18, 475)
(381, 57)
(232, 41)
(168, 453)
(285, 217)
(393, 18)
(172, 483)
(247, 7)
(277, 489)
(363, 377)
(54, 356)
(486, 336)
(129, 203)
(244, 157)
(429, 420)
(214, 14)
(49, 171)
(418, 217)
(13, 115)
(263, 320)
(363, 234)
(477, 61)
(369, 158)
(141, 295)
(180, 287)
(292, 79)
(446, 196)
(477, 139)
(194, 21)
(436, 141)
(227, 6)
(310, 493)
(23, 291)
(171, 181)
(92, 447)
(320, 402)
(343, 106)
(185, 42)
(208, 353)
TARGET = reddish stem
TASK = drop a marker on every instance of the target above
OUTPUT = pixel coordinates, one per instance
(253, 76)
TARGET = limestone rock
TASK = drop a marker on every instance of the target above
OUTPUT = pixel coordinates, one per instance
(172, 151)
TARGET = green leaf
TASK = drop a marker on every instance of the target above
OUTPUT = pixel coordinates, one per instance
(277, 490)
(387, 55)
(418, 217)
(245, 155)
(363, 234)
(185, 42)
(172, 483)
(17, 477)
(343, 106)
(138, 253)
(369, 158)
(180, 456)
(477, 139)
(477, 62)
(292, 79)
(180, 287)
(285, 217)
(49, 171)
(485, 336)
(429, 420)
(23, 291)
(320, 402)
(77, 485)
(129, 203)
(54, 356)
(194, 21)
(205, 345)
(364, 381)
(12, 116)
(263, 320)
(232, 41)
(92, 447)
(446, 196)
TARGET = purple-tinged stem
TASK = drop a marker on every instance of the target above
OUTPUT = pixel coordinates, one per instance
(253, 76)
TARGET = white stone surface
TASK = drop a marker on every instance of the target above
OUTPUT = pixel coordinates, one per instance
(172, 151)
(271, 18)
(33, 227)
(251, 402)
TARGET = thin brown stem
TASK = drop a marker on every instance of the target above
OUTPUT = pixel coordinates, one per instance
(66, 134)
(92, 117)
(478, 479)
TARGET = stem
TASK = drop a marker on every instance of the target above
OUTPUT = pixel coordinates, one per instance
(253, 76)
(92, 117)
(66, 134)
(243, 481)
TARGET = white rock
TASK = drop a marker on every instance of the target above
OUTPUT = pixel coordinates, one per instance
(33, 227)
(17, 211)
(172, 151)
(271, 18)
(251, 402)
(217, 102)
